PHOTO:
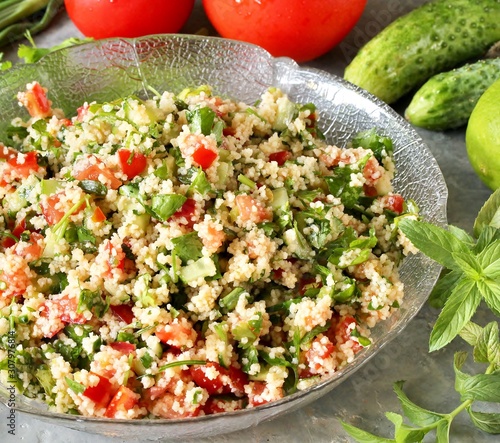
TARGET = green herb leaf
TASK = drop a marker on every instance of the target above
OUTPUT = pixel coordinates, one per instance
(486, 421)
(482, 387)
(489, 259)
(460, 377)
(490, 292)
(200, 183)
(188, 246)
(469, 265)
(434, 241)
(419, 416)
(471, 332)
(487, 348)
(201, 120)
(163, 206)
(443, 431)
(457, 311)
(362, 436)
(443, 288)
(489, 214)
(404, 433)
(462, 235)
(76, 387)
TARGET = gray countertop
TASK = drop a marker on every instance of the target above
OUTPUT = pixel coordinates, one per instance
(364, 398)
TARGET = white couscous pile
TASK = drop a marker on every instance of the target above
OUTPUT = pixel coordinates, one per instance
(189, 255)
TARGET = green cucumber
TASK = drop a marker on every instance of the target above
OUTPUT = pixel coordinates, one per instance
(432, 38)
(446, 100)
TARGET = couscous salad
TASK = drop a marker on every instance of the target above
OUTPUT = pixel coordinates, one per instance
(189, 254)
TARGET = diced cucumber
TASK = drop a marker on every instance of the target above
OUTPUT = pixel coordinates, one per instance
(50, 186)
(14, 202)
(287, 111)
(201, 268)
(280, 198)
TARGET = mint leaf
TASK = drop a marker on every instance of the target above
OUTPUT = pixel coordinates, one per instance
(435, 242)
(469, 264)
(482, 387)
(488, 235)
(404, 433)
(460, 377)
(487, 348)
(462, 235)
(457, 311)
(471, 332)
(163, 206)
(489, 259)
(443, 432)
(489, 291)
(362, 436)
(489, 214)
(419, 416)
(443, 288)
(488, 422)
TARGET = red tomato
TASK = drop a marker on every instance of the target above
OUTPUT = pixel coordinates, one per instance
(98, 216)
(49, 211)
(280, 157)
(87, 169)
(251, 209)
(123, 346)
(300, 29)
(30, 250)
(187, 212)
(227, 381)
(128, 18)
(35, 100)
(123, 400)
(132, 163)
(16, 232)
(124, 312)
(394, 202)
(204, 157)
(27, 167)
(101, 393)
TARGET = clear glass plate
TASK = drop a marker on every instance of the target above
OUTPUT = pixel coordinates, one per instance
(108, 69)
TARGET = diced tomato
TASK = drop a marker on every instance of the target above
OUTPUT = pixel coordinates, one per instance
(216, 405)
(51, 214)
(115, 258)
(101, 393)
(68, 309)
(370, 191)
(16, 232)
(255, 396)
(124, 400)
(226, 381)
(123, 346)
(308, 283)
(164, 407)
(132, 163)
(179, 334)
(187, 212)
(204, 157)
(98, 216)
(228, 131)
(371, 171)
(35, 100)
(89, 169)
(30, 250)
(124, 312)
(82, 111)
(23, 164)
(344, 330)
(394, 203)
(280, 157)
(251, 209)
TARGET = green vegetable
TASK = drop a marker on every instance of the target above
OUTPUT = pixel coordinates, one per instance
(446, 100)
(163, 206)
(474, 265)
(19, 16)
(432, 38)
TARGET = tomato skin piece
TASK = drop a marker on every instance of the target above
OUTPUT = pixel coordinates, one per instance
(16, 232)
(123, 346)
(204, 157)
(280, 157)
(394, 202)
(101, 393)
(300, 29)
(124, 312)
(122, 401)
(98, 216)
(128, 18)
(49, 211)
(35, 100)
(132, 163)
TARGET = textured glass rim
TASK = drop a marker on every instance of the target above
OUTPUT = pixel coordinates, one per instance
(438, 217)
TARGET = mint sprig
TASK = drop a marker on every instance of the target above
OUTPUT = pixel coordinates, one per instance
(473, 264)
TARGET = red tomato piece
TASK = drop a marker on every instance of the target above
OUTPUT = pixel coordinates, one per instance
(187, 212)
(124, 312)
(87, 169)
(300, 29)
(51, 214)
(123, 346)
(132, 163)
(251, 209)
(131, 18)
(35, 100)
(101, 393)
(393, 202)
(179, 334)
(122, 401)
(218, 380)
(98, 216)
(255, 396)
(16, 232)
(280, 157)
(32, 250)
(25, 166)
(204, 157)
(82, 111)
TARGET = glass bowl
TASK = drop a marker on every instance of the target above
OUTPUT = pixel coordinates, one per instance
(105, 70)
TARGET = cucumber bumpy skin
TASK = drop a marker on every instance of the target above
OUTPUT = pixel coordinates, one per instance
(446, 100)
(432, 38)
